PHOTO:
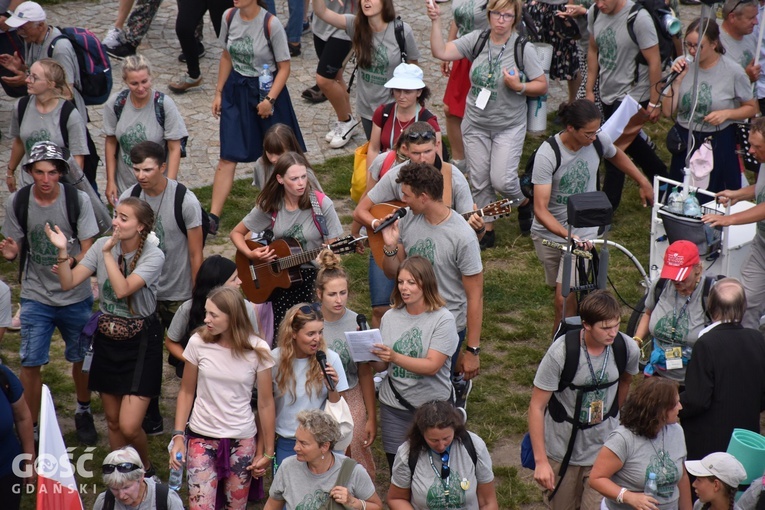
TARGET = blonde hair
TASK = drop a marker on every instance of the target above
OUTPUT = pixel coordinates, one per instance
(56, 74)
(294, 321)
(133, 64)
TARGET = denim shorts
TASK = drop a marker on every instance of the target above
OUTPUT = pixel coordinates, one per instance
(380, 286)
(38, 322)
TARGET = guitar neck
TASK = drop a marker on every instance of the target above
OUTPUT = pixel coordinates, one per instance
(298, 259)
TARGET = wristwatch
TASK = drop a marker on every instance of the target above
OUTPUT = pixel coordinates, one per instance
(475, 351)
(270, 100)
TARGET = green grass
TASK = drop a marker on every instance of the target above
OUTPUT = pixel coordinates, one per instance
(516, 331)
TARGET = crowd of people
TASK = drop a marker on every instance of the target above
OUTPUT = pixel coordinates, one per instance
(270, 381)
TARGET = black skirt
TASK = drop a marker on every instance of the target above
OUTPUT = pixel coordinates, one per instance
(128, 367)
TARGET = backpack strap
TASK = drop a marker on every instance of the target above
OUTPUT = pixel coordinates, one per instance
(519, 50)
(267, 33)
(119, 103)
(398, 30)
(159, 108)
(108, 500)
(53, 44)
(180, 195)
(346, 470)
(231, 13)
(709, 282)
(163, 492)
(466, 441)
(556, 149)
(135, 191)
(480, 43)
(21, 210)
(21, 108)
(318, 217)
(387, 163)
(66, 110)
(72, 207)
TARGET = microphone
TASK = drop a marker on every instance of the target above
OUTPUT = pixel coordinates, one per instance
(400, 213)
(322, 359)
(361, 320)
(673, 75)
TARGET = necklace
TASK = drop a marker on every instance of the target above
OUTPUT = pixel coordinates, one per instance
(448, 213)
(660, 453)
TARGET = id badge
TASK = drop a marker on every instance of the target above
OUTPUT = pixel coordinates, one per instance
(595, 412)
(674, 356)
(483, 98)
(87, 361)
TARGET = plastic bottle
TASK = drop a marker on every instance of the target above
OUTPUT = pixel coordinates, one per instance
(675, 202)
(266, 80)
(175, 480)
(651, 489)
(691, 206)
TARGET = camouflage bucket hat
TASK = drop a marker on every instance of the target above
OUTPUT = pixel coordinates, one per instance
(48, 151)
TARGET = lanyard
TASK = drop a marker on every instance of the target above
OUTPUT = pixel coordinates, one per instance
(676, 317)
(493, 66)
(444, 483)
(393, 126)
(598, 379)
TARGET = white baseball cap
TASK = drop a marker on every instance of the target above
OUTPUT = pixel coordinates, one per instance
(26, 11)
(721, 465)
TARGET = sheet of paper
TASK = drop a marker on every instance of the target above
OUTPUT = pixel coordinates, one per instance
(361, 343)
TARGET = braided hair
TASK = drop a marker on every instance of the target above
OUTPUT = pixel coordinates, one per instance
(145, 216)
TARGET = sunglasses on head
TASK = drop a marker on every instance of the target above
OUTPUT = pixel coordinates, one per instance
(313, 308)
(125, 467)
(445, 470)
(427, 136)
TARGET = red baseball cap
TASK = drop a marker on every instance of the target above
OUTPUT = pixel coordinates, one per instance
(679, 260)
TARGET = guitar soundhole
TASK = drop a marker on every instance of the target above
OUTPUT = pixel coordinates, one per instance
(275, 266)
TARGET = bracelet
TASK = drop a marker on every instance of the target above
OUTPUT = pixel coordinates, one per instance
(481, 230)
(363, 504)
(269, 457)
(523, 89)
(638, 340)
(391, 253)
(179, 432)
(372, 224)
(61, 260)
(620, 497)
(651, 105)
(177, 435)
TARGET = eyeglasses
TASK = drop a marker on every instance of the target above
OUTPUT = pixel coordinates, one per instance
(445, 470)
(313, 308)
(32, 77)
(691, 46)
(504, 16)
(427, 136)
(125, 467)
(591, 135)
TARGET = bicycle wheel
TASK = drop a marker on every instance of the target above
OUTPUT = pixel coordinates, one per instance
(632, 324)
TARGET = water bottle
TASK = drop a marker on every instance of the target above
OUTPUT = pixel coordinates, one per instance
(691, 206)
(266, 80)
(675, 202)
(175, 479)
(651, 489)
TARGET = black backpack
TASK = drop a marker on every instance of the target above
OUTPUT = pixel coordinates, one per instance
(518, 48)
(21, 211)
(163, 492)
(527, 186)
(467, 442)
(180, 193)
(159, 113)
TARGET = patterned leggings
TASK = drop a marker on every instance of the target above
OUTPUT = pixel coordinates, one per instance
(140, 19)
(203, 475)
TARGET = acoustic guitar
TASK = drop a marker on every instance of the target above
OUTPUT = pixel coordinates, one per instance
(382, 210)
(260, 279)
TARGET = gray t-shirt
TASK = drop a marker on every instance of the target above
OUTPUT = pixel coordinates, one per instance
(413, 336)
(452, 247)
(386, 56)
(505, 107)
(175, 282)
(742, 50)
(6, 311)
(617, 52)
(759, 193)
(334, 336)
(138, 125)
(721, 87)
(177, 330)
(248, 46)
(751, 497)
(288, 407)
(388, 189)
(263, 170)
(683, 315)
(44, 127)
(149, 502)
(40, 283)
(588, 441)
(297, 224)
(143, 302)
(324, 30)
(427, 490)
(470, 15)
(300, 488)
(577, 173)
(663, 456)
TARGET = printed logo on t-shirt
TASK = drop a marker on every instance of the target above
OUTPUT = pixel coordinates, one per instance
(607, 49)
(242, 54)
(575, 180)
(41, 250)
(408, 344)
(436, 498)
(41, 135)
(134, 135)
(341, 348)
(463, 16)
(746, 57)
(296, 232)
(667, 474)
(377, 72)
(479, 77)
(424, 247)
(313, 501)
(703, 107)
(663, 329)
(111, 303)
(159, 230)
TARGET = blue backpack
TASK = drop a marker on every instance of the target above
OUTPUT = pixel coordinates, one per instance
(95, 68)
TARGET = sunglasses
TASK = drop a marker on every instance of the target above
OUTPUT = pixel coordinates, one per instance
(740, 2)
(125, 467)
(445, 470)
(427, 136)
(313, 308)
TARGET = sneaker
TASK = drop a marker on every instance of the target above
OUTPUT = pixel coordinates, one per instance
(488, 240)
(306, 26)
(153, 427)
(184, 83)
(345, 131)
(200, 53)
(332, 132)
(16, 321)
(114, 37)
(463, 413)
(294, 49)
(121, 51)
(86, 430)
(461, 391)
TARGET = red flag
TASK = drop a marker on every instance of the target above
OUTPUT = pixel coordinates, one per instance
(56, 487)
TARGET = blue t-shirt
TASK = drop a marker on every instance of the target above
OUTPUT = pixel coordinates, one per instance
(9, 442)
